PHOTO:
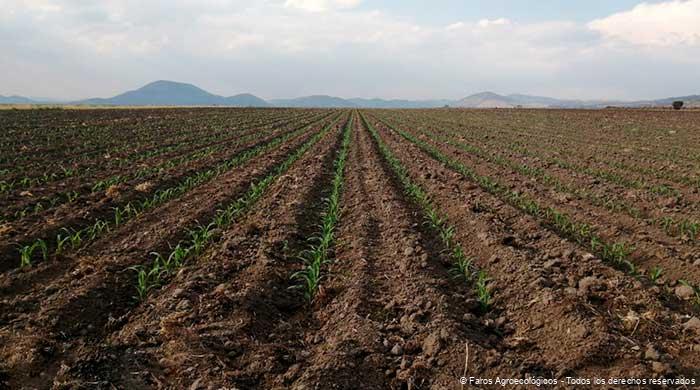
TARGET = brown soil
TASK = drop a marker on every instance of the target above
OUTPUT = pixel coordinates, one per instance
(389, 314)
(108, 168)
(64, 306)
(652, 246)
(100, 205)
(588, 298)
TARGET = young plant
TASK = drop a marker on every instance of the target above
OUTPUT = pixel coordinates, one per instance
(310, 276)
(27, 252)
(462, 267)
(146, 279)
(199, 237)
(25, 256)
(72, 196)
(482, 291)
(97, 228)
(317, 256)
(61, 241)
(655, 273)
(74, 238)
(667, 224)
(174, 261)
(118, 216)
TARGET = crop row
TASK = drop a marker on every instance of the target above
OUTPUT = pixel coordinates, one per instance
(153, 275)
(69, 169)
(608, 130)
(55, 200)
(92, 137)
(317, 255)
(546, 147)
(672, 226)
(70, 195)
(463, 266)
(77, 238)
(616, 253)
(553, 154)
(126, 152)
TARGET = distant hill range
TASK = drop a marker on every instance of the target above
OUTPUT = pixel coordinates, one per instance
(170, 93)
(381, 103)
(16, 100)
(323, 101)
(493, 100)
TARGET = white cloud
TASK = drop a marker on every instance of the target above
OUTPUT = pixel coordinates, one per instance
(495, 22)
(670, 23)
(36, 5)
(280, 48)
(321, 5)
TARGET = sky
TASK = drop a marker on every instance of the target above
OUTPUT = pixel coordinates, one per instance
(408, 49)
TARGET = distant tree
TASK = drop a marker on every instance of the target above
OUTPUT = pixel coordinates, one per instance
(677, 105)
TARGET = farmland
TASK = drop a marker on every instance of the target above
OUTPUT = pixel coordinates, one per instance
(322, 248)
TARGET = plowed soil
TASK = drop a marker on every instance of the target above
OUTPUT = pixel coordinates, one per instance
(390, 312)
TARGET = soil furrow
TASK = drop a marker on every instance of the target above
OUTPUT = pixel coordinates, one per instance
(652, 247)
(227, 309)
(84, 184)
(390, 310)
(93, 293)
(102, 206)
(592, 303)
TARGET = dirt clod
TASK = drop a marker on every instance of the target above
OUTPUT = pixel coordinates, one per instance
(144, 187)
(183, 305)
(660, 368)
(431, 344)
(651, 353)
(684, 292)
(587, 285)
(692, 324)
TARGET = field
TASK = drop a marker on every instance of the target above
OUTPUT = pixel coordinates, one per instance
(318, 249)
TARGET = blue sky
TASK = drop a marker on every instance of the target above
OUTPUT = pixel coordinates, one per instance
(448, 11)
(622, 49)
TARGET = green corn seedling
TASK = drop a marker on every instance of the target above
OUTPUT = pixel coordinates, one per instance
(27, 252)
(482, 291)
(655, 273)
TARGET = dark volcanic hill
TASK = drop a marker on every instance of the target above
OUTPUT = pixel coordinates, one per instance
(170, 93)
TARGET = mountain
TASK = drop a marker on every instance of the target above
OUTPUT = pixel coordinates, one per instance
(170, 93)
(542, 101)
(246, 100)
(689, 101)
(493, 100)
(486, 100)
(319, 101)
(16, 100)
(397, 103)
(333, 101)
